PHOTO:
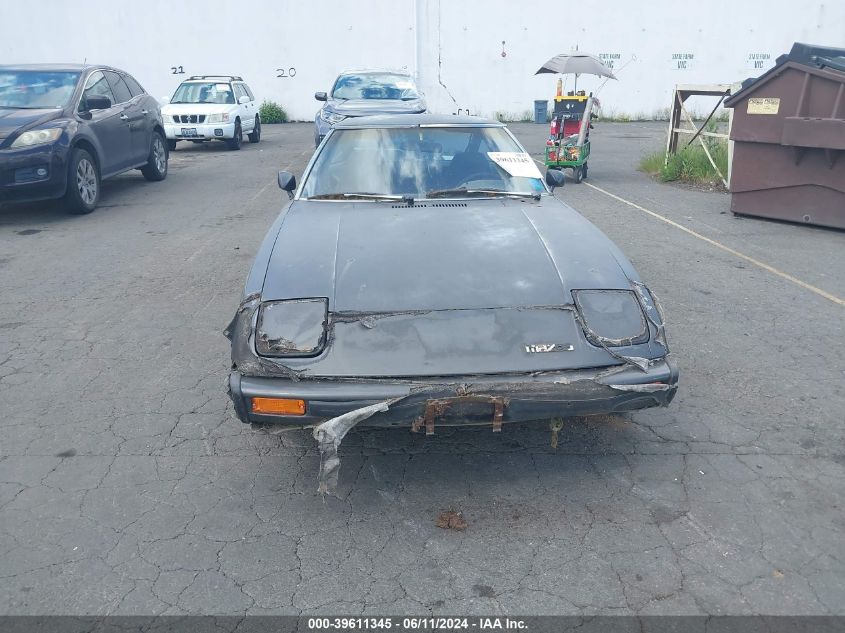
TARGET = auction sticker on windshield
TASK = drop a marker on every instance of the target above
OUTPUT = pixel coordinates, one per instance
(516, 164)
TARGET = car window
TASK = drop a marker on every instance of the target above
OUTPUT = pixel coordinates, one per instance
(239, 91)
(96, 86)
(249, 92)
(421, 161)
(118, 87)
(204, 92)
(375, 86)
(134, 87)
(36, 88)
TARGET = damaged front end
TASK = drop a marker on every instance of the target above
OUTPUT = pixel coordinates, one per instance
(420, 369)
(336, 362)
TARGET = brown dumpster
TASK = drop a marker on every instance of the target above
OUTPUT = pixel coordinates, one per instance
(789, 139)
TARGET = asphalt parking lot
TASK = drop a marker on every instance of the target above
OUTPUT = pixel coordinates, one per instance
(127, 486)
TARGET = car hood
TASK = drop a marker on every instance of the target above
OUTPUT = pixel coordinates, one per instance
(366, 107)
(12, 120)
(440, 255)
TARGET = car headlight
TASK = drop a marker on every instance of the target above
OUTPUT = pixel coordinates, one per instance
(291, 328)
(218, 118)
(37, 137)
(611, 318)
(331, 117)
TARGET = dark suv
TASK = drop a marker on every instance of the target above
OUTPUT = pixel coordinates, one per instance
(63, 128)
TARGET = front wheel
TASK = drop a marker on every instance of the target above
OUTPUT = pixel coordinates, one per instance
(156, 167)
(255, 135)
(83, 183)
(577, 174)
(235, 142)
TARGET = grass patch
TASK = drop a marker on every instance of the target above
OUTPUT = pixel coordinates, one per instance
(689, 165)
(272, 112)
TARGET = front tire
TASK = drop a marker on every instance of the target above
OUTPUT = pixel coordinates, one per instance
(235, 142)
(255, 135)
(156, 167)
(83, 183)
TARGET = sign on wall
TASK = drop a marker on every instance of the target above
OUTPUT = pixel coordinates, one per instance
(758, 61)
(682, 61)
(611, 60)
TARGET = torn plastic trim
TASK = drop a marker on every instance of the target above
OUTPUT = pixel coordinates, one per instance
(651, 305)
(646, 388)
(330, 434)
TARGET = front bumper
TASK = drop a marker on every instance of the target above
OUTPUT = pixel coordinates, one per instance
(467, 399)
(205, 131)
(19, 177)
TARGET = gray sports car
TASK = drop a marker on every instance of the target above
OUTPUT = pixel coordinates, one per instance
(423, 274)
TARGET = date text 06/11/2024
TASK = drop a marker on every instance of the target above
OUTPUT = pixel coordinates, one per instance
(416, 624)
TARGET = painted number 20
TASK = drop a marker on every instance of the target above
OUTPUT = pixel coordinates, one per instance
(290, 72)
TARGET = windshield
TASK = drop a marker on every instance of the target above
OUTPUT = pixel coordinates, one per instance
(204, 92)
(375, 86)
(36, 89)
(422, 161)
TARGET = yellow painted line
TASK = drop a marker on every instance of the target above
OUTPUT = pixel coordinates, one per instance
(727, 249)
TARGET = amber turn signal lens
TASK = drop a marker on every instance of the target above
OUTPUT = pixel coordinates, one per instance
(278, 406)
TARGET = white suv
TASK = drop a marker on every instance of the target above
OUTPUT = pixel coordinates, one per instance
(210, 107)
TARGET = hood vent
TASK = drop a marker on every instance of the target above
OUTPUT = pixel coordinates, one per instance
(428, 204)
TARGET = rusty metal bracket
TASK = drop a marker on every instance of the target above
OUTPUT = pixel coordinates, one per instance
(436, 408)
(498, 414)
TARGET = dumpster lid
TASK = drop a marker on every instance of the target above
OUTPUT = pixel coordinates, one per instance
(812, 55)
(808, 55)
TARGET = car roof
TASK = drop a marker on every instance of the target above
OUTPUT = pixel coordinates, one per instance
(373, 71)
(415, 120)
(59, 67)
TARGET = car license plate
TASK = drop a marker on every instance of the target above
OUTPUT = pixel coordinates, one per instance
(189, 131)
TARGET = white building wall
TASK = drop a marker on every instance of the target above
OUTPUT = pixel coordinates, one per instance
(454, 46)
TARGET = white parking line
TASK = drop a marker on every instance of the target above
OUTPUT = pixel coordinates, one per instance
(728, 249)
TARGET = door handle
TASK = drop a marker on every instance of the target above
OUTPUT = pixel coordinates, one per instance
(144, 112)
(123, 117)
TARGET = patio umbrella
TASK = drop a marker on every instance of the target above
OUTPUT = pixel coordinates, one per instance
(576, 64)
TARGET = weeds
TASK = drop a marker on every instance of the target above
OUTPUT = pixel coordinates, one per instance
(272, 112)
(689, 164)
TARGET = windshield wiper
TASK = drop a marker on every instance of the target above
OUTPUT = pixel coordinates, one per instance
(478, 193)
(364, 196)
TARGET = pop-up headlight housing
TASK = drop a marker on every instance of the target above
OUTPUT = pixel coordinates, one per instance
(291, 328)
(611, 318)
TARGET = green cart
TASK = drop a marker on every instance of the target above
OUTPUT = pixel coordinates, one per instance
(569, 140)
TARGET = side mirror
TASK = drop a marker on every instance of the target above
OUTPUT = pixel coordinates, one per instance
(287, 182)
(321, 96)
(243, 99)
(96, 102)
(554, 178)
